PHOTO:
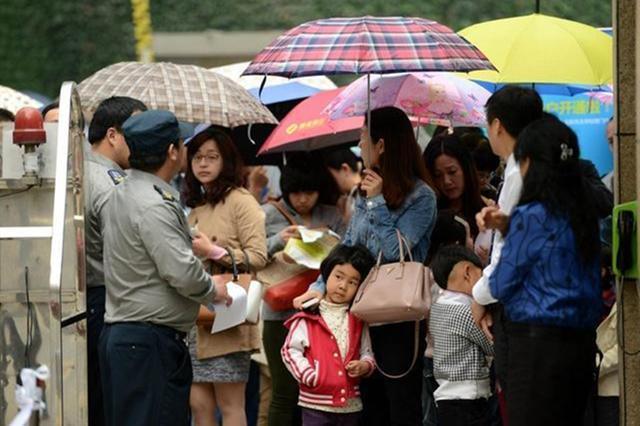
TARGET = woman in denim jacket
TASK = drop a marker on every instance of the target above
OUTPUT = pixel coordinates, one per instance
(394, 195)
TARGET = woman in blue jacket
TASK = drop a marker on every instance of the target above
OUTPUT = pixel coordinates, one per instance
(548, 281)
(394, 195)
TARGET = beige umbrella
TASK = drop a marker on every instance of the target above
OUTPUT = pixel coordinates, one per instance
(12, 100)
(193, 94)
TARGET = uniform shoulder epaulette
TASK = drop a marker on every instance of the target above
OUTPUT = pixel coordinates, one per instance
(116, 176)
(166, 195)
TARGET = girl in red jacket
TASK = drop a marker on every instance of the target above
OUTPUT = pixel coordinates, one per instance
(329, 350)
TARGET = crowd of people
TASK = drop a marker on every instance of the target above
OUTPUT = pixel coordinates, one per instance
(507, 220)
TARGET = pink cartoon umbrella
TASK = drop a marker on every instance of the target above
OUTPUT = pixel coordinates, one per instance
(605, 98)
(427, 97)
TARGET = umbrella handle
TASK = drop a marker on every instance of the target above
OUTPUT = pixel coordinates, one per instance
(370, 148)
(249, 134)
(264, 81)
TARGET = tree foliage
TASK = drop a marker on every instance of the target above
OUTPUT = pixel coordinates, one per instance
(43, 42)
(193, 15)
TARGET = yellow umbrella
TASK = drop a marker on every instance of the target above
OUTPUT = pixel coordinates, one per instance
(542, 49)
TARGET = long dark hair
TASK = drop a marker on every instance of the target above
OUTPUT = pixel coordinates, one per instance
(400, 163)
(555, 179)
(230, 177)
(452, 146)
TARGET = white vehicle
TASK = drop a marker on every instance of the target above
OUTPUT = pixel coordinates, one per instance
(42, 274)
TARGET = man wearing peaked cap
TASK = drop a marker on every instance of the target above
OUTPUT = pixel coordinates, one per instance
(104, 169)
(154, 282)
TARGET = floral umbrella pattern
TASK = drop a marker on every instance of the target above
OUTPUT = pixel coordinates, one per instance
(428, 98)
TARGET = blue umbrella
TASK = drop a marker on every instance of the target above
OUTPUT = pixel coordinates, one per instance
(283, 92)
(550, 89)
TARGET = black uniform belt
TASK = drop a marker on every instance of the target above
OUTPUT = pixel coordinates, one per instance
(165, 330)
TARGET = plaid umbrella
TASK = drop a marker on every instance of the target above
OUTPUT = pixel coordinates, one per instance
(367, 45)
(193, 94)
(12, 100)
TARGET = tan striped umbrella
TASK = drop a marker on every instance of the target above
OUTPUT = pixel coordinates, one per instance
(12, 100)
(193, 94)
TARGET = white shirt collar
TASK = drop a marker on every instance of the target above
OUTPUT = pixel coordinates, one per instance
(448, 297)
(511, 164)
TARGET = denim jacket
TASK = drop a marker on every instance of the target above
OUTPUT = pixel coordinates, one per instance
(374, 225)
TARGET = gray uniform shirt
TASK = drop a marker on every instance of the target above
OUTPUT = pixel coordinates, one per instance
(151, 272)
(101, 176)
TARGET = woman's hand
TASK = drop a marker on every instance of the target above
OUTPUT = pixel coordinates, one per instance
(201, 244)
(371, 183)
(308, 295)
(483, 254)
(203, 247)
(289, 232)
(492, 218)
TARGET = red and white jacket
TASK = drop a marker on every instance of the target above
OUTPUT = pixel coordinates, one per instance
(312, 356)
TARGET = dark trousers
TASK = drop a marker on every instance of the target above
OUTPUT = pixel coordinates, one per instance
(500, 344)
(322, 418)
(607, 411)
(283, 410)
(95, 321)
(429, 386)
(252, 394)
(551, 371)
(394, 402)
(146, 375)
(459, 412)
(602, 411)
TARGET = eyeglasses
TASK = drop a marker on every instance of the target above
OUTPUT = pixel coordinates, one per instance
(208, 159)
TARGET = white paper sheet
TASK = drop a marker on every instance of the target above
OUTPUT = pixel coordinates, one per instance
(312, 235)
(232, 315)
(312, 248)
(309, 235)
(254, 297)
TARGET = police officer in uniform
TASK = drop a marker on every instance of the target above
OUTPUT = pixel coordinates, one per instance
(155, 284)
(104, 169)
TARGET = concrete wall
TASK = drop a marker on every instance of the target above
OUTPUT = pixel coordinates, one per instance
(625, 22)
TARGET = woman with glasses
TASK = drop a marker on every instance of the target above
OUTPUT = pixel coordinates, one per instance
(226, 220)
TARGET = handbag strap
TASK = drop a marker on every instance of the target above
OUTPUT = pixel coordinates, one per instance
(283, 211)
(247, 261)
(402, 244)
(416, 345)
(234, 265)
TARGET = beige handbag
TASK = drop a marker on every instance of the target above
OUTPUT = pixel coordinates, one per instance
(395, 292)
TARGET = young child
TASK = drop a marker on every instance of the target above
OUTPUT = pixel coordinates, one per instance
(460, 346)
(449, 229)
(329, 351)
